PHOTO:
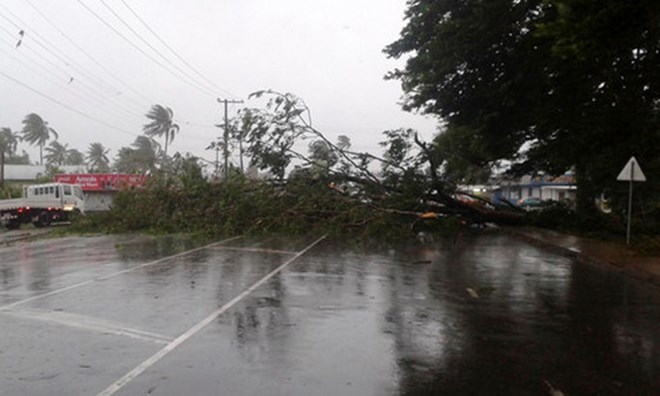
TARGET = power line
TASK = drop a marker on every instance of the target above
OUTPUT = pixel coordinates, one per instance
(148, 44)
(67, 62)
(135, 46)
(135, 14)
(67, 106)
(45, 59)
(226, 136)
(87, 93)
(47, 77)
(62, 56)
(82, 50)
(90, 97)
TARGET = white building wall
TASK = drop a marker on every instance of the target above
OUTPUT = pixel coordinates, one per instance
(28, 173)
(98, 201)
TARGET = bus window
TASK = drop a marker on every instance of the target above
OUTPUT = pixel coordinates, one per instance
(67, 189)
(57, 191)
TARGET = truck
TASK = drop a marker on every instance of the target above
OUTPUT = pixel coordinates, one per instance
(42, 204)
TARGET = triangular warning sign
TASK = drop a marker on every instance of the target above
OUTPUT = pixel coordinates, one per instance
(632, 171)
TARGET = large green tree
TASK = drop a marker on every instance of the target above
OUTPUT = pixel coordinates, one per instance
(162, 124)
(37, 132)
(8, 145)
(574, 83)
(605, 103)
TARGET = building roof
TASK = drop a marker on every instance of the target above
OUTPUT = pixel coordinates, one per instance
(32, 172)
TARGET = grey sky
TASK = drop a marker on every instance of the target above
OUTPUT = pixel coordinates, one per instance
(328, 52)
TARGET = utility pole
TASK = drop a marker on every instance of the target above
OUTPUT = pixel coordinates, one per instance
(217, 154)
(226, 134)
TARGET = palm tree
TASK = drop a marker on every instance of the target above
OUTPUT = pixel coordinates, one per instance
(97, 158)
(56, 153)
(8, 144)
(162, 124)
(37, 132)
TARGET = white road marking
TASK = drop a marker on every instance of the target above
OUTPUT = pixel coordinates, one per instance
(255, 250)
(88, 323)
(120, 383)
(104, 277)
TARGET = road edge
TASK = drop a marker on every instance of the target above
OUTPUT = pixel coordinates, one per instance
(625, 268)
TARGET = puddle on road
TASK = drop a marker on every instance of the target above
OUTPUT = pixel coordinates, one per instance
(487, 315)
(483, 314)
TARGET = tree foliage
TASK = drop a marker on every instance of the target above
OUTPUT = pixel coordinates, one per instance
(410, 177)
(74, 157)
(142, 157)
(37, 132)
(575, 81)
(97, 158)
(56, 153)
(18, 159)
(9, 141)
(326, 188)
(8, 145)
(162, 124)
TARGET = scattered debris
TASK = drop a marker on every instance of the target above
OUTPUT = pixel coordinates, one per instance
(553, 390)
(473, 293)
(485, 290)
(422, 262)
(21, 34)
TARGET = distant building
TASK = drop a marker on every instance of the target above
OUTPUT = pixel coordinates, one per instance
(99, 189)
(27, 174)
(559, 188)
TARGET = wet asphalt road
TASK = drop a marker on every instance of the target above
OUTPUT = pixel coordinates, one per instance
(484, 314)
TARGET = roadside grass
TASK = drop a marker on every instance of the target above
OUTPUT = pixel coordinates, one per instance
(646, 245)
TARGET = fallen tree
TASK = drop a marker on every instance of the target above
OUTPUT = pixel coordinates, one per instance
(410, 180)
(312, 184)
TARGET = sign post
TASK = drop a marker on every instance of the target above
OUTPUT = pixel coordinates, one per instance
(630, 173)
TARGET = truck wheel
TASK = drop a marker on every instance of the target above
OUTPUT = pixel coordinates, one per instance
(43, 220)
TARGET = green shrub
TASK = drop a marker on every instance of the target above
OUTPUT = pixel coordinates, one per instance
(240, 206)
(9, 191)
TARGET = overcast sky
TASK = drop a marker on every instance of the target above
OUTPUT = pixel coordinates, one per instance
(328, 52)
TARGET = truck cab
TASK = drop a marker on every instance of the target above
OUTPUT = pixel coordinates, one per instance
(42, 204)
(69, 196)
